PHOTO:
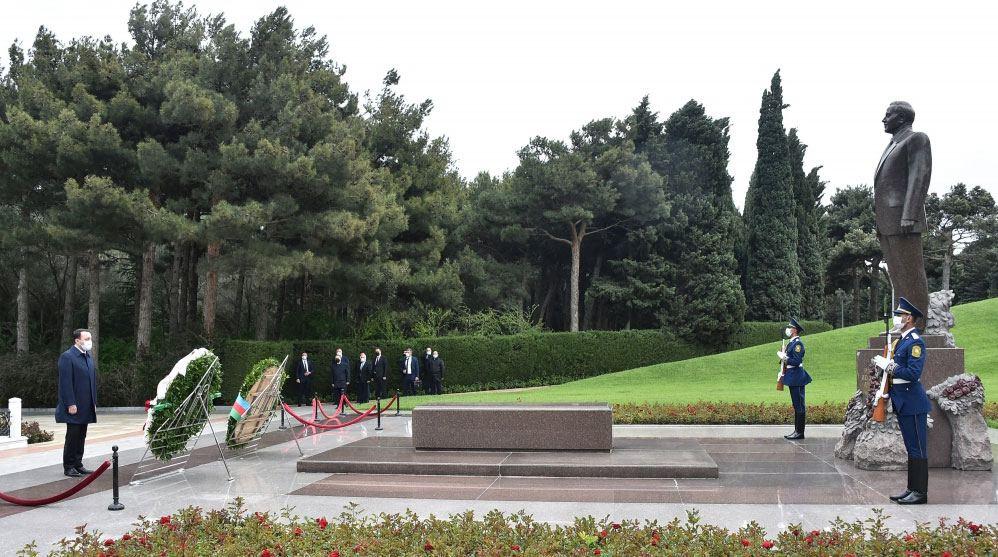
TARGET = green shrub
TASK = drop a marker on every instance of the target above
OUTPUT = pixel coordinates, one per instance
(34, 432)
(233, 531)
(703, 413)
(754, 333)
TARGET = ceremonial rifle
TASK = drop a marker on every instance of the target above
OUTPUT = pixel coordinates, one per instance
(880, 404)
(783, 366)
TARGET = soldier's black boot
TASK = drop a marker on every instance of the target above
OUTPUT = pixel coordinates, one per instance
(920, 483)
(798, 427)
(907, 490)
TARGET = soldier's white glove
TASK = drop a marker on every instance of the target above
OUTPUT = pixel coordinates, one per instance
(892, 366)
(881, 362)
(781, 355)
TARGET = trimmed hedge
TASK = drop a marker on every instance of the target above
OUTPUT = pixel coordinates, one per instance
(508, 361)
(239, 356)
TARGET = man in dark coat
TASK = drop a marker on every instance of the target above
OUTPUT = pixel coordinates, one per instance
(364, 370)
(436, 368)
(380, 372)
(341, 375)
(303, 378)
(77, 404)
(425, 365)
(409, 368)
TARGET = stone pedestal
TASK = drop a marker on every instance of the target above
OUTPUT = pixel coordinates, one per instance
(940, 364)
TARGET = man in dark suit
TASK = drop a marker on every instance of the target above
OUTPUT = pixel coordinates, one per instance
(363, 379)
(303, 377)
(77, 405)
(436, 369)
(899, 189)
(341, 375)
(380, 372)
(425, 365)
(409, 368)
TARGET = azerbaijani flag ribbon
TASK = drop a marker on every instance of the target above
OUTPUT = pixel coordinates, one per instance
(239, 408)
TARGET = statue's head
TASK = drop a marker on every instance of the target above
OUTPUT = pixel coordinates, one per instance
(899, 114)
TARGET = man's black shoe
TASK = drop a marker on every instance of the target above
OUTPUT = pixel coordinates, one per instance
(902, 496)
(914, 498)
(72, 473)
(794, 436)
(84, 470)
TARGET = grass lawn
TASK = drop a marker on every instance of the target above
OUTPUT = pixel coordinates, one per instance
(749, 374)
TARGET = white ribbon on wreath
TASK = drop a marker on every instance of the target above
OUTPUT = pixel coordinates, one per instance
(180, 368)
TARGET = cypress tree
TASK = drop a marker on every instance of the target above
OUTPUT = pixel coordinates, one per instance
(773, 282)
(810, 255)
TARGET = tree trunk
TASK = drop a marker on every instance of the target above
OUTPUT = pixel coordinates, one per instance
(192, 286)
(262, 315)
(174, 292)
(22, 310)
(553, 283)
(875, 301)
(587, 320)
(183, 252)
(211, 289)
(856, 314)
(69, 298)
(281, 307)
(93, 311)
(947, 261)
(573, 305)
(240, 287)
(143, 332)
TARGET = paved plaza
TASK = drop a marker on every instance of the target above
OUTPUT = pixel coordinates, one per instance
(761, 477)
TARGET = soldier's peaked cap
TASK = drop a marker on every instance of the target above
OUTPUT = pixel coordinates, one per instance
(906, 307)
(793, 323)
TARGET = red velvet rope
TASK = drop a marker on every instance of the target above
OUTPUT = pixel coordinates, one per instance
(339, 408)
(59, 496)
(333, 426)
(354, 408)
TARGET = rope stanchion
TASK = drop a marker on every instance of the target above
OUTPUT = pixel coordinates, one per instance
(59, 496)
(323, 426)
(115, 502)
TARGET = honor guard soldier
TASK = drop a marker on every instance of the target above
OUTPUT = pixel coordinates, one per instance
(911, 405)
(795, 376)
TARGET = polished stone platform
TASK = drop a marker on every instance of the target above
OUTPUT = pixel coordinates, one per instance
(750, 471)
(629, 458)
(513, 427)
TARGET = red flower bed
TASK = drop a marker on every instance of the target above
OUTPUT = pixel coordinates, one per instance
(233, 532)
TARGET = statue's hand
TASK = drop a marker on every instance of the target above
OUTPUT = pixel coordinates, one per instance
(907, 225)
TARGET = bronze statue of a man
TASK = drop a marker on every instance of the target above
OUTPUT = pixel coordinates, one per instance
(899, 189)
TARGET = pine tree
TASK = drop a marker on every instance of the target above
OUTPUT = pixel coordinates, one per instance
(773, 287)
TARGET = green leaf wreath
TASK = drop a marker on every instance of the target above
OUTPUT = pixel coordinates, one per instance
(174, 441)
(254, 375)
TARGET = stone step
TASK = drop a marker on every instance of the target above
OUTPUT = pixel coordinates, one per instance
(651, 458)
(547, 427)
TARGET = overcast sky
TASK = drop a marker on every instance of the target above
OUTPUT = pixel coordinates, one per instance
(503, 72)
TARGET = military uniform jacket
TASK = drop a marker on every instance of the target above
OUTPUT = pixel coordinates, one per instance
(795, 375)
(909, 398)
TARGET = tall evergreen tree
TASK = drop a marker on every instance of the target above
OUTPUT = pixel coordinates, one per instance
(773, 286)
(810, 254)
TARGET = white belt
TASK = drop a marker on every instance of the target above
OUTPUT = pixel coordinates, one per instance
(901, 381)
(792, 367)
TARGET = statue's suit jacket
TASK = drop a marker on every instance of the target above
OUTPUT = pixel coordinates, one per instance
(902, 182)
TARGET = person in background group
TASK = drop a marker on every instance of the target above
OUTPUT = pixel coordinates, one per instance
(409, 368)
(363, 379)
(795, 377)
(380, 373)
(425, 366)
(303, 379)
(341, 375)
(436, 379)
(77, 403)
